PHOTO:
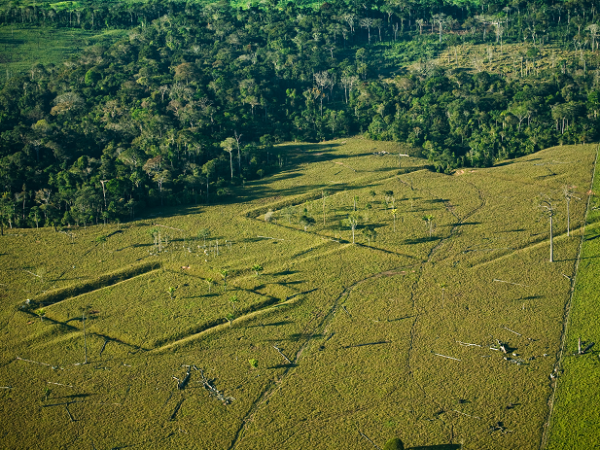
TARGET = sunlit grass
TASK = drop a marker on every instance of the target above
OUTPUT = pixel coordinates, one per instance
(363, 325)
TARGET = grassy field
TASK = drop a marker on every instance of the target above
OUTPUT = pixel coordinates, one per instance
(23, 46)
(574, 421)
(328, 344)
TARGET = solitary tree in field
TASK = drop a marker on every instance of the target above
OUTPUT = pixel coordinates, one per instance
(548, 210)
(228, 145)
(102, 240)
(370, 233)
(388, 197)
(306, 221)
(569, 193)
(394, 214)
(233, 300)
(40, 313)
(428, 219)
(224, 274)
(257, 268)
(324, 195)
(209, 281)
(84, 311)
(352, 222)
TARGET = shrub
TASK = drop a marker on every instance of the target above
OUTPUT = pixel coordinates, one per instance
(394, 444)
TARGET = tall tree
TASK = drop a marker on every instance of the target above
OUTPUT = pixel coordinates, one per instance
(228, 145)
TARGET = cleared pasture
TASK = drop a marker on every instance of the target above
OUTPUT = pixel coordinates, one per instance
(392, 336)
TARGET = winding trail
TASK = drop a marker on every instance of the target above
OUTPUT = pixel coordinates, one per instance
(415, 288)
(318, 329)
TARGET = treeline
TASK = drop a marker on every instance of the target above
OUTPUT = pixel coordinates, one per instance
(193, 102)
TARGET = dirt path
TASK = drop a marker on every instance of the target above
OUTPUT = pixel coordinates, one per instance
(318, 329)
(415, 288)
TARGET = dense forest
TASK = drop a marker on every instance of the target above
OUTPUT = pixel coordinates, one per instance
(193, 102)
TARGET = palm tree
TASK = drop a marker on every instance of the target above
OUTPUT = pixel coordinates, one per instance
(568, 192)
(209, 281)
(171, 292)
(394, 212)
(257, 268)
(224, 274)
(548, 210)
(352, 222)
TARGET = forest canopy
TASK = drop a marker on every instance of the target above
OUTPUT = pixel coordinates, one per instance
(193, 101)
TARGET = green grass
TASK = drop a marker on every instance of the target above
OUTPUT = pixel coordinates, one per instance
(22, 46)
(574, 418)
(362, 324)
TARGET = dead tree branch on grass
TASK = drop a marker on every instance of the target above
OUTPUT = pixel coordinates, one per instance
(213, 391)
(182, 383)
(39, 363)
(59, 384)
(508, 282)
(281, 353)
(368, 439)
(69, 413)
(466, 344)
(448, 357)
(508, 329)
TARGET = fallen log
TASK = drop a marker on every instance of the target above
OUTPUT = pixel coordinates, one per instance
(281, 353)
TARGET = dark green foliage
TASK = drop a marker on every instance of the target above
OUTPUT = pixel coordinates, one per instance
(394, 444)
(138, 123)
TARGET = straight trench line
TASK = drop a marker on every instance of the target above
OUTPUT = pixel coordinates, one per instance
(563, 338)
(535, 245)
(227, 326)
(103, 287)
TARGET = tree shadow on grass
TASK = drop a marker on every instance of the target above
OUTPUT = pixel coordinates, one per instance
(452, 225)
(437, 447)
(295, 337)
(283, 366)
(285, 272)
(422, 240)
